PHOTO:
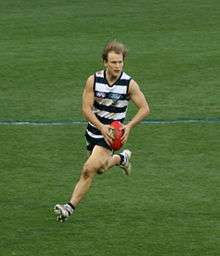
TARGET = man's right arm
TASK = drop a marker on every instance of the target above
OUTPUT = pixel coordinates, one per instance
(87, 103)
(87, 107)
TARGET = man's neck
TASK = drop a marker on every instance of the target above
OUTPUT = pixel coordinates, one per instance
(111, 79)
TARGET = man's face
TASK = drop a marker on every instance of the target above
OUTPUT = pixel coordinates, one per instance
(114, 64)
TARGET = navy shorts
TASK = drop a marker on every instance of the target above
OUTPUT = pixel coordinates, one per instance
(91, 142)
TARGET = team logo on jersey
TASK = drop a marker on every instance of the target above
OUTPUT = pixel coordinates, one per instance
(114, 96)
(100, 94)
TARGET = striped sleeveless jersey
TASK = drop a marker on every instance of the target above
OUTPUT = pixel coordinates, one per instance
(110, 101)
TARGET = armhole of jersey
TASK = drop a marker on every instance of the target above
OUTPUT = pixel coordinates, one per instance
(128, 97)
(94, 82)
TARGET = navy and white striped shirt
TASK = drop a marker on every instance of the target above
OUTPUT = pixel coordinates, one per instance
(110, 102)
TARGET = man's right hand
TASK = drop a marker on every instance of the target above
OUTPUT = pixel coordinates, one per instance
(107, 133)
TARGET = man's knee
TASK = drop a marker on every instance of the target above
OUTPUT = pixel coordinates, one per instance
(106, 163)
(88, 171)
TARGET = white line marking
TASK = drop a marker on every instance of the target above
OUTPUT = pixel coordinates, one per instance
(146, 122)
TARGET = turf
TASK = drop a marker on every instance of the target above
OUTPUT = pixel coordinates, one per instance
(169, 205)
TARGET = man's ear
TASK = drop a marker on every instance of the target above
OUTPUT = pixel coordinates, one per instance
(105, 63)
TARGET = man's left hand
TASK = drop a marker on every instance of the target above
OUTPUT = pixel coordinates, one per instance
(126, 129)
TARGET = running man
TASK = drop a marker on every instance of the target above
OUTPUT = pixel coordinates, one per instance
(105, 99)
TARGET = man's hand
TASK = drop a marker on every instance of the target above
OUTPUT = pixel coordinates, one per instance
(126, 129)
(107, 133)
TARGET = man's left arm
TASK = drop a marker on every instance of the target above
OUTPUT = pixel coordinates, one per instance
(136, 96)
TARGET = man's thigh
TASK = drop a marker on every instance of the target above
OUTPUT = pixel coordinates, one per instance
(98, 158)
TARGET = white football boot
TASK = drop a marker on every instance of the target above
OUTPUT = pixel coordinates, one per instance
(62, 211)
(126, 165)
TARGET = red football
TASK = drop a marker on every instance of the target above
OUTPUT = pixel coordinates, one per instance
(116, 126)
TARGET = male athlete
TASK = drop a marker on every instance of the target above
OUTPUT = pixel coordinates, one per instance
(105, 98)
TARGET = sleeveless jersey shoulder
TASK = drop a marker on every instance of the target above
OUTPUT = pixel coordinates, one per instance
(99, 73)
(125, 76)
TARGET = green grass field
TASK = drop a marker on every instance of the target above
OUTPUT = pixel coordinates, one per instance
(169, 206)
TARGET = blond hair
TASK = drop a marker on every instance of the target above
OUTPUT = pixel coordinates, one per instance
(114, 46)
